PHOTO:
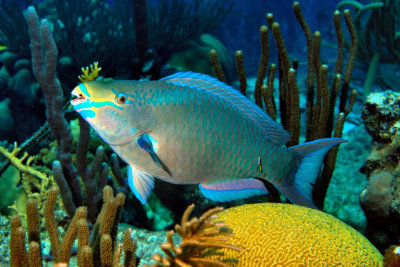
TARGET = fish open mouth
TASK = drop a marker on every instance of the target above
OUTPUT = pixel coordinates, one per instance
(77, 98)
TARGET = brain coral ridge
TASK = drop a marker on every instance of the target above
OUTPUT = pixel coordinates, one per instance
(275, 234)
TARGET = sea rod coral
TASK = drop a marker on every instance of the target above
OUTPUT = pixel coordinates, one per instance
(321, 100)
(380, 200)
(95, 247)
(44, 61)
(99, 245)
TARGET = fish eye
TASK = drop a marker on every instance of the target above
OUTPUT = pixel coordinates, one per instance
(121, 98)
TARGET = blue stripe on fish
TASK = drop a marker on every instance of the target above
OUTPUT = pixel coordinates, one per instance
(114, 91)
(87, 113)
(90, 104)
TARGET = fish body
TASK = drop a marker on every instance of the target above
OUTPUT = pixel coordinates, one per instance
(190, 128)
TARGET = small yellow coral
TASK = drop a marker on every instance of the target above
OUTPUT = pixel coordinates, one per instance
(35, 184)
(272, 234)
(90, 75)
(17, 162)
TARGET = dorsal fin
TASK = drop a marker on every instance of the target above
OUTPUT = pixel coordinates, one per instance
(256, 115)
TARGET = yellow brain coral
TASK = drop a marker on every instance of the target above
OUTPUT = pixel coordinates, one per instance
(272, 234)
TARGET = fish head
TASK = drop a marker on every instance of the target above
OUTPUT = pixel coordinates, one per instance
(110, 109)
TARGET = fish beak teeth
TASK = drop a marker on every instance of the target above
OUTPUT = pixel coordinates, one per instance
(77, 97)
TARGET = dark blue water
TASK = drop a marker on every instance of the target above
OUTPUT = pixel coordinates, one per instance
(240, 30)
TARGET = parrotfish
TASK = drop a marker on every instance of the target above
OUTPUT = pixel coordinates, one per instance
(190, 128)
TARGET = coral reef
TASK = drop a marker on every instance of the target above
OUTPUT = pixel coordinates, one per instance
(254, 228)
(68, 170)
(98, 245)
(273, 234)
(381, 198)
(95, 250)
(148, 241)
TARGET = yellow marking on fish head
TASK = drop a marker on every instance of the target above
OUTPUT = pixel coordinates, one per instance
(112, 109)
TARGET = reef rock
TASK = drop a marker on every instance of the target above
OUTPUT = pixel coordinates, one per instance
(194, 56)
(380, 199)
(24, 86)
(381, 115)
(8, 59)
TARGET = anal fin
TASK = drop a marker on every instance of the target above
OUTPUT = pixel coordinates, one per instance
(233, 189)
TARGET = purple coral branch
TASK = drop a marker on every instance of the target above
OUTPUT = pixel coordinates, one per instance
(93, 186)
(66, 194)
(44, 62)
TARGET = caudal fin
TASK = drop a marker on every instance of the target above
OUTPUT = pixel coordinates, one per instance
(312, 153)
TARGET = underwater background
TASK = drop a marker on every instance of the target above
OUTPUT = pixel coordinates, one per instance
(348, 58)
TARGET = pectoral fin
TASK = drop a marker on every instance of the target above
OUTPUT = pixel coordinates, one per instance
(146, 142)
(140, 183)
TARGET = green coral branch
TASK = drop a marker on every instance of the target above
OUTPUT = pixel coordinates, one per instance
(18, 162)
(355, 4)
(358, 5)
(361, 8)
